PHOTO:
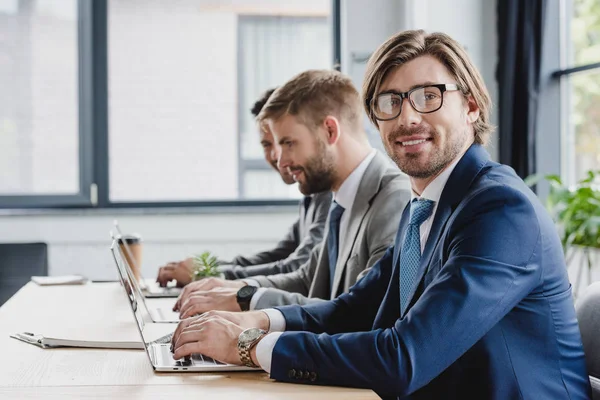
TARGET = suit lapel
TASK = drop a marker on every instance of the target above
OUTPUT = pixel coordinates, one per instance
(465, 172)
(367, 189)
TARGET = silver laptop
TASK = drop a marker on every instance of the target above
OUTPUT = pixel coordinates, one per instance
(150, 288)
(157, 314)
(159, 350)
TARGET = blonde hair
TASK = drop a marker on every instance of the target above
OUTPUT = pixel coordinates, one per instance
(408, 45)
(313, 95)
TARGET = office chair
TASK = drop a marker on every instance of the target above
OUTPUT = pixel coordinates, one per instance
(18, 262)
(588, 316)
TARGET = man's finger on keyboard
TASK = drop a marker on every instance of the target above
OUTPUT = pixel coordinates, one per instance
(187, 350)
(190, 336)
(195, 305)
(182, 325)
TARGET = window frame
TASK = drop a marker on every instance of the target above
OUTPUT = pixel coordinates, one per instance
(84, 198)
(553, 120)
(92, 105)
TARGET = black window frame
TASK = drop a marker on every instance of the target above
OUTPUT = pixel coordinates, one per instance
(553, 129)
(93, 125)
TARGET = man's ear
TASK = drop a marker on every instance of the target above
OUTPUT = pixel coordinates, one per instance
(332, 129)
(472, 110)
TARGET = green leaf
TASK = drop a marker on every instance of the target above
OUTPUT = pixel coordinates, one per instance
(575, 210)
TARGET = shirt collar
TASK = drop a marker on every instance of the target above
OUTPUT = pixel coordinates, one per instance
(433, 191)
(347, 191)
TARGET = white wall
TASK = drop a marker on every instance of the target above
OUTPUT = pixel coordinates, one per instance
(367, 24)
(78, 241)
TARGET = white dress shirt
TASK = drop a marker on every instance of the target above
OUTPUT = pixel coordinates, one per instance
(344, 197)
(433, 192)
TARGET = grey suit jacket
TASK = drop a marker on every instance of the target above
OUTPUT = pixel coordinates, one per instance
(374, 217)
(293, 250)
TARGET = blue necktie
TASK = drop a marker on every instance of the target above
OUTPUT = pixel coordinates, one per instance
(306, 203)
(410, 257)
(335, 215)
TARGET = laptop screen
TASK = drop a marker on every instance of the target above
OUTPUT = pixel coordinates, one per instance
(126, 282)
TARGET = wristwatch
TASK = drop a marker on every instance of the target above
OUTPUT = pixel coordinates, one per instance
(244, 295)
(246, 341)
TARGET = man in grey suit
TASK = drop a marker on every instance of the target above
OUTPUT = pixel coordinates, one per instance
(316, 119)
(291, 252)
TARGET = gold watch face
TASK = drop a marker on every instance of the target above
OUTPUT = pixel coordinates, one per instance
(250, 335)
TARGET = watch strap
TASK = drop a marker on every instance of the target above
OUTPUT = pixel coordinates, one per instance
(244, 351)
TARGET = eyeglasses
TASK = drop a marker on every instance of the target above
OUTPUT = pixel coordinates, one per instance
(424, 99)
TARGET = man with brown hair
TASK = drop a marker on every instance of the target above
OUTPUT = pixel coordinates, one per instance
(471, 301)
(316, 118)
(295, 247)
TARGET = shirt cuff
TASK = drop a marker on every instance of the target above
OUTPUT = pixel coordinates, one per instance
(264, 350)
(276, 320)
(255, 297)
(251, 282)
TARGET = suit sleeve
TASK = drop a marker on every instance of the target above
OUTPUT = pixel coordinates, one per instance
(298, 281)
(298, 257)
(491, 267)
(276, 297)
(340, 315)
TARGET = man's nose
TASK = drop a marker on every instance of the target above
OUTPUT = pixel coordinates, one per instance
(408, 115)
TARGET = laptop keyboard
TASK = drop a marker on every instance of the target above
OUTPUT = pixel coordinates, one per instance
(163, 339)
(187, 361)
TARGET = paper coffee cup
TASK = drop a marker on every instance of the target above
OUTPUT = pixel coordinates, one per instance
(131, 248)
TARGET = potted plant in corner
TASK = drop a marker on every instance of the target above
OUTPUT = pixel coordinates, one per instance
(576, 212)
(205, 265)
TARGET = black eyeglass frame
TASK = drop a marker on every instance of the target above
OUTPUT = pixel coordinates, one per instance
(443, 87)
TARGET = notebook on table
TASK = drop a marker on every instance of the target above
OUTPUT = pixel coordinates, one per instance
(49, 342)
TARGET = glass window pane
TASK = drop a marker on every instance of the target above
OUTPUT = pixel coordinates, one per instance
(583, 136)
(272, 50)
(179, 93)
(39, 140)
(585, 32)
(267, 184)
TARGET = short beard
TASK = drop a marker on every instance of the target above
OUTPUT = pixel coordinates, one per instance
(438, 159)
(319, 172)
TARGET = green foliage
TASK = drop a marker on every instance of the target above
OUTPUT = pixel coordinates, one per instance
(575, 210)
(205, 265)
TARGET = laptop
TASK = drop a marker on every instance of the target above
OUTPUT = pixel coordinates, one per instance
(150, 288)
(158, 314)
(159, 350)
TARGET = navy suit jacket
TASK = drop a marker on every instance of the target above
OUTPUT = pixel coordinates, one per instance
(491, 314)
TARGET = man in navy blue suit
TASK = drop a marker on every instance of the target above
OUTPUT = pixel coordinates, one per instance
(473, 299)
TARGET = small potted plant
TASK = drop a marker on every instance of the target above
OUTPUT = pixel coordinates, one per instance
(576, 211)
(205, 265)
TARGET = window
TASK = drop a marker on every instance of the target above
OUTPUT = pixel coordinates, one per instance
(581, 139)
(147, 103)
(179, 96)
(39, 117)
(271, 51)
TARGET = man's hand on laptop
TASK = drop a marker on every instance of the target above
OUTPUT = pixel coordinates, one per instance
(221, 299)
(215, 334)
(214, 337)
(180, 271)
(204, 285)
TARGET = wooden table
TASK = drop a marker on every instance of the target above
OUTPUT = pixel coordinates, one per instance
(99, 311)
